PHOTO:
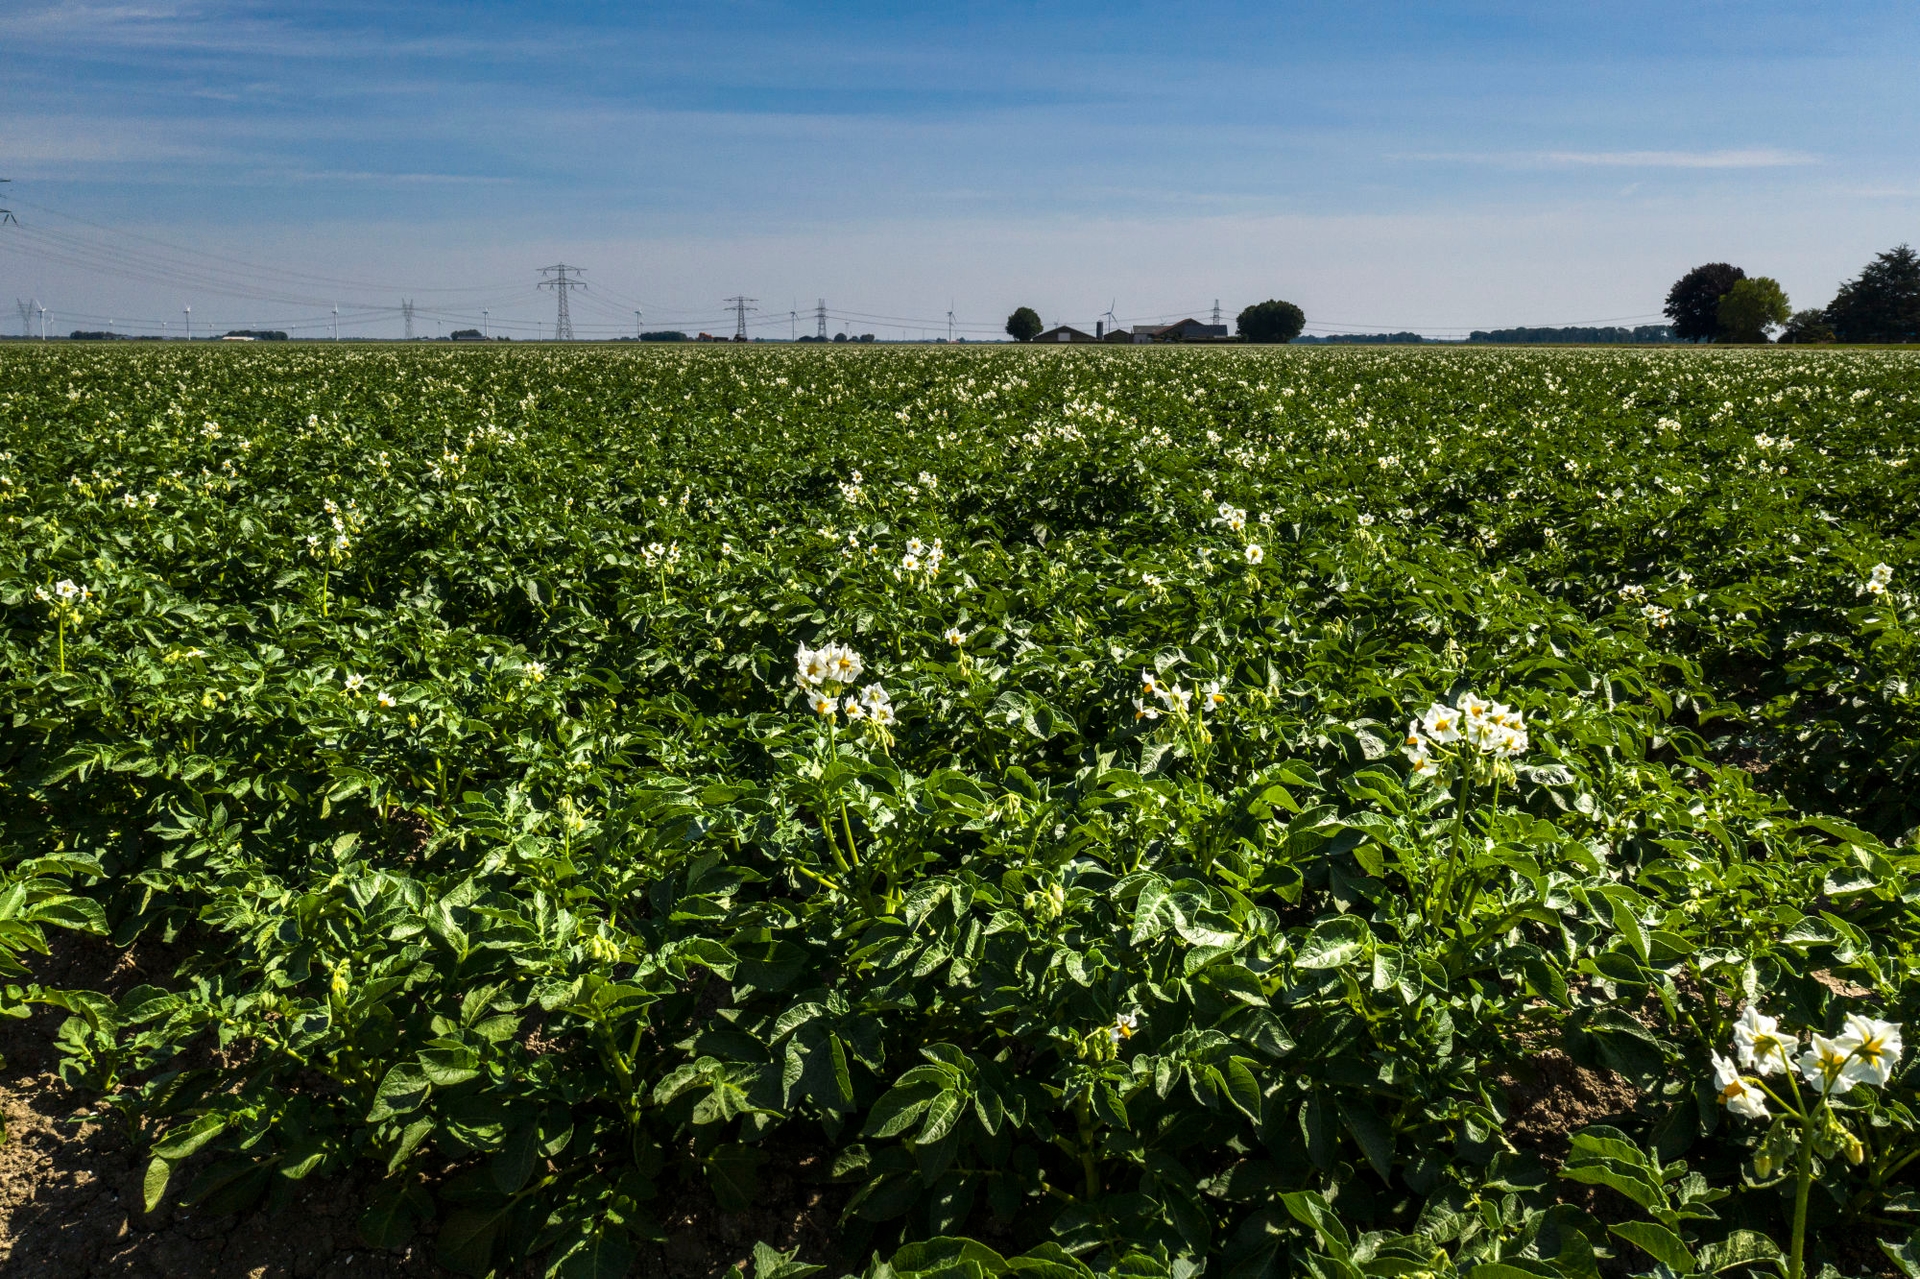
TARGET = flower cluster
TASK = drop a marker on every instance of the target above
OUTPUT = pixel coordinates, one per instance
(1234, 517)
(1657, 617)
(922, 558)
(827, 673)
(659, 556)
(338, 548)
(1876, 583)
(1492, 728)
(1177, 700)
(1864, 1053)
(64, 600)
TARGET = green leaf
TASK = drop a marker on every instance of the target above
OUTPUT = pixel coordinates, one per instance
(1905, 1255)
(1371, 1133)
(1243, 1090)
(606, 1253)
(1334, 943)
(733, 1170)
(401, 1092)
(1656, 1239)
(768, 1264)
(942, 1113)
(159, 1172)
(392, 1217)
(513, 1164)
(465, 1242)
(1310, 1209)
(1743, 1248)
(181, 1142)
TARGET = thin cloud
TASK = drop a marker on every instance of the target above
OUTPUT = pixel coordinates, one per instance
(1738, 158)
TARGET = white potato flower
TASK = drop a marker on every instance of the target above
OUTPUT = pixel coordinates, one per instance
(534, 671)
(1143, 709)
(1123, 1027)
(954, 635)
(386, 699)
(355, 682)
(1824, 1065)
(822, 703)
(814, 666)
(843, 663)
(1875, 1049)
(1216, 696)
(1759, 1044)
(1736, 1094)
(1254, 553)
(1441, 723)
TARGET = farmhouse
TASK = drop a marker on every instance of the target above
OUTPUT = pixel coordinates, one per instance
(1065, 333)
(1188, 330)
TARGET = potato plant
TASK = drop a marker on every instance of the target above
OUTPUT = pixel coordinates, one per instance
(1129, 812)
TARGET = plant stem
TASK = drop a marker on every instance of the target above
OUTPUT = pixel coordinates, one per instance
(853, 854)
(1803, 1182)
(1089, 1164)
(833, 843)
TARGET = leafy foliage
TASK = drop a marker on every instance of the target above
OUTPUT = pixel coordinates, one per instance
(1693, 303)
(1881, 304)
(1271, 322)
(438, 706)
(1751, 307)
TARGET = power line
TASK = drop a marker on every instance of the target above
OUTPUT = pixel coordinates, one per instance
(561, 286)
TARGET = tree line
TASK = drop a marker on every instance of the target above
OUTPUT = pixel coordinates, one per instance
(1719, 302)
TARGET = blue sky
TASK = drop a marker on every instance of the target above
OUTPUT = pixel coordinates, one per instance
(1433, 166)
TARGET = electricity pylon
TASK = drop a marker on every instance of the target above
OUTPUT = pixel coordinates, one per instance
(560, 283)
(740, 308)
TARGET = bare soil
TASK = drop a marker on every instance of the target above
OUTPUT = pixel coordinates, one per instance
(1549, 1098)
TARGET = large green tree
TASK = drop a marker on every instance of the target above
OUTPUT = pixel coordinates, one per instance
(1271, 321)
(1883, 303)
(1693, 303)
(1750, 308)
(1024, 324)
(1808, 327)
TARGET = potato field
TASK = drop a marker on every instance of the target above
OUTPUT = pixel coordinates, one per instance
(1219, 813)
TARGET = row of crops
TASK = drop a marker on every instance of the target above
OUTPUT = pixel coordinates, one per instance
(1112, 812)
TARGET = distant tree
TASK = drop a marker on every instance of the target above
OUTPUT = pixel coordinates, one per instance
(1883, 304)
(664, 335)
(1750, 308)
(1807, 327)
(1024, 324)
(1271, 321)
(1693, 303)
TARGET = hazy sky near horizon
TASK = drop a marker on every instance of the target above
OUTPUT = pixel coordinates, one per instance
(1437, 167)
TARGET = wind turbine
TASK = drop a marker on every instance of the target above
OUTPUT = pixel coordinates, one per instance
(1113, 321)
